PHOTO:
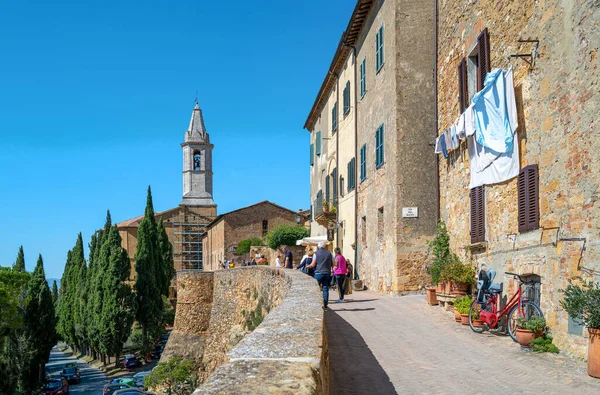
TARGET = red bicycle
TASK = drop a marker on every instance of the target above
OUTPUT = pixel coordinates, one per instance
(485, 305)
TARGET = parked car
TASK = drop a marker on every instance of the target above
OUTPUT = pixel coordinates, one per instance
(71, 373)
(109, 389)
(56, 387)
(131, 391)
(139, 379)
(130, 381)
(131, 362)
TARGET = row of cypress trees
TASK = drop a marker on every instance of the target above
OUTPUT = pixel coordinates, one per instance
(97, 303)
(27, 327)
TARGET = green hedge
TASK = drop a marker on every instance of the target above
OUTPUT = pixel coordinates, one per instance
(285, 235)
(243, 246)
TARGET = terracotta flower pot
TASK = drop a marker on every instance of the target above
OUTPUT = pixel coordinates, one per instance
(524, 337)
(477, 323)
(431, 296)
(325, 209)
(439, 288)
(464, 319)
(594, 352)
(459, 288)
(456, 315)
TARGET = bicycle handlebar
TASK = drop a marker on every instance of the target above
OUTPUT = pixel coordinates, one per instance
(520, 278)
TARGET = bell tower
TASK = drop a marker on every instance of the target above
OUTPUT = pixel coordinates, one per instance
(197, 163)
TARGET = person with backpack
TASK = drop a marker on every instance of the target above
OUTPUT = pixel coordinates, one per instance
(306, 261)
(340, 270)
(322, 263)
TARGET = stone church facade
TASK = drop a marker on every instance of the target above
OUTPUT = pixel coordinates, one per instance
(187, 222)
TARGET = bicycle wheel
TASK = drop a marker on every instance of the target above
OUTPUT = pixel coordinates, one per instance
(474, 309)
(530, 309)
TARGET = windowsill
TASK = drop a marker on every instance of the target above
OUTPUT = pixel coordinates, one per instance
(380, 165)
(346, 114)
(363, 95)
(482, 245)
(379, 69)
(363, 180)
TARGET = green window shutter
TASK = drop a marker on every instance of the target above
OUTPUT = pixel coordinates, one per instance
(347, 98)
(363, 162)
(312, 154)
(334, 174)
(351, 174)
(334, 114)
(379, 49)
(379, 154)
(318, 143)
(363, 77)
(327, 188)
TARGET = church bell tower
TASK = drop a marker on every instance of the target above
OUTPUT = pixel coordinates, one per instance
(197, 163)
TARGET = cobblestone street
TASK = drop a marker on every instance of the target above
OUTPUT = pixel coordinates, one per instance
(383, 344)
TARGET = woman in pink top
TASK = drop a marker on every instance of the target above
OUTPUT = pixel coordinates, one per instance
(340, 270)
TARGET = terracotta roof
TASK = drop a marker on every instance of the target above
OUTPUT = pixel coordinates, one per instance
(219, 217)
(349, 37)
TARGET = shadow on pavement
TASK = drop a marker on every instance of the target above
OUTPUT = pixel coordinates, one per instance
(353, 368)
(358, 300)
(365, 309)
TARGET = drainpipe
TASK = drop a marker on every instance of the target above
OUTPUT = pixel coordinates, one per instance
(435, 93)
(337, 154)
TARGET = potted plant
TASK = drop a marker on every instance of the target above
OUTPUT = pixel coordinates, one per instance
(582, 303)
(440, 249)
(463, 306)
(431, 296)
(475, 319)
(325, 207)
(456, 314)
(529, 329)
(333, 209)
(459, 275)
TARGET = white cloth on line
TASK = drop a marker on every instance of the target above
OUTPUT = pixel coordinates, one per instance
(469, 121)
(511, 102)
(460, 127)
(488, 167)
(438, 144)
(493, 128)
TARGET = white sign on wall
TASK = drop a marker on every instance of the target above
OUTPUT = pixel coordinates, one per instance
(410, 212)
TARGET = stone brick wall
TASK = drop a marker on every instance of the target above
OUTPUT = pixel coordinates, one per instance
(254, 319)
(557, 131)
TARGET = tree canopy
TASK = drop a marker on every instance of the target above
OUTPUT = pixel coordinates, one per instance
(286, 235)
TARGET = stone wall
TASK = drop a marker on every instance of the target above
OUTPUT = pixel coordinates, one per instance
(253, 330)
(557, 112)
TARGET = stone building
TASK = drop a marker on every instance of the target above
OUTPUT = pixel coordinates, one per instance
(227, 230)
(370, 129)
(543, 222)
(185, 223)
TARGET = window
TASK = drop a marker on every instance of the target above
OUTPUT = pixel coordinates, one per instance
(197, 160)
(363, 231)
(334, 175)
(474, 69)
(379, 50)
(462, 85)
(312, 154)
(363, 163)
(380, 225)
(318, 143)
(351, 174)
(575, 327)
(379, 156)
(363, 77)
(483, 57)
(478, 214)
(327, 189)
(527, 186)
(334, 120)
(265, 227)
(533, 292)
(347, 98)
(341, 186)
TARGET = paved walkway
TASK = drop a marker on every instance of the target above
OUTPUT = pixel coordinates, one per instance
(92, 379)
(380, 344)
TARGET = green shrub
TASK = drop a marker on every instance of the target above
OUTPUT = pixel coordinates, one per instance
(285, 235)
(243, 246)
(582, 302)
(458, 271)
(463, 305)
(440, 248)
(177, 375)
(534, 324)
(544, 344)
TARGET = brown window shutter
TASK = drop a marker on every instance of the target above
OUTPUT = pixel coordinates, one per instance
(462, 85)
(483, 56)
(528, 189)
(477, 214)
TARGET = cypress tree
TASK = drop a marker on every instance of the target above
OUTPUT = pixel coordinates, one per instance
(19, 265)
(117, 307)
(147, 263)
(39, 325)
(76, 290)
(65, 312)
(89, 281)
(54, 293)
(166, 259)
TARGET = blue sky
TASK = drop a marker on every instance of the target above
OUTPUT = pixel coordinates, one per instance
(95, 98)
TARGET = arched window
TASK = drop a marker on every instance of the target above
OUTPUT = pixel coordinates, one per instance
(196, 160)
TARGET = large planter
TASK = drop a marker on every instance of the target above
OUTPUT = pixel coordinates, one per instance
(459, 288)
(464, 319)
(456, 315)
(524, 337)
(594, 353)
(477, 323)
(431, 296)
(443, 287)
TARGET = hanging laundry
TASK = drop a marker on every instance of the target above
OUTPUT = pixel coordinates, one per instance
(448, 139)
(453, 137)
(469, 121)
(489, 167)
(492, 125)
(443, 143)
(460, 127)
(438, 145)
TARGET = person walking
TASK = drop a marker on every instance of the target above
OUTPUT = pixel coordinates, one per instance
(322, 263)
(288, 258)
(340, 271)
(306, 261)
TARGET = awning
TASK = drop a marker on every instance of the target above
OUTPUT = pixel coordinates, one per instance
(312, 241)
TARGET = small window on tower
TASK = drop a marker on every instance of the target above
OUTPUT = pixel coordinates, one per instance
(265, 227)
(196, 160)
